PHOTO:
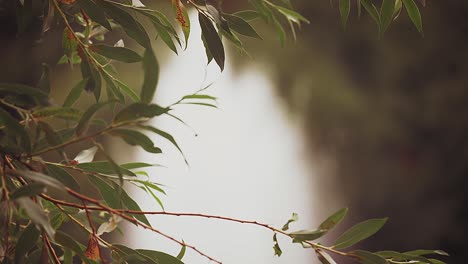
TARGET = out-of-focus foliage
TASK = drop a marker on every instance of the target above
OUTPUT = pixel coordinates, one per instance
(39, 195)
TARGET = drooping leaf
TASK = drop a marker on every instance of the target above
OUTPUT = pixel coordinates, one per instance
(91, 73)
(181, 252)
(28, 190)
(69, 44)
(68, 242)
(345, 7)
(291, 15)
(248, 15)
(167, 136)
(84, 122)
(324, 258)
(130, 204)
(137, 111)
(213, 42)
(132, 27)
(103, 167)
(151, 77)
(40, 178)
(372, 10)
(279, 30)
(108, 193)
(163, 32)
(136, 138)
(112, 90)
(386, 14)
(26, 241)
(95, 12)
(182, 18)
(128, 91)
(116, 53)
(366, 257)
(276, 246)
(15, 129)
(37, 215)
(414, 14)
(359, 232)
(241, 26)
(63, 176)
(24, 90)
(334, 219)
(75, 93)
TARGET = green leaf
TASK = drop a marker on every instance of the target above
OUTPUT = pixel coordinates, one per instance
(203, 104)
(136, 138)
(36, 214)
(58, 112)
(128, 91)
(334, 219)
(68, 242)
(161, 257)
(112, 89)
(241, 26)
(91, 73)
(182, 18)
(95, 12)
(163, 32)
(26, 242)
(366, 257)
(294, 218)
(181, 252)
(359, 232)
(75, 93)
(167, 136)
(137, 111)
(21, 89)
(132, 27)
(213, 42)
(359, 8)
(29, 190)
(422, 252)
(63, 176)
(276, 246)
(155, 197)
(436, 261)
(247, 15)
(324, 258)
(345, 7)
(413, 13)
(199, 96)
(116, 53)
(291, 15)
(103, 167)
(279, 30)
(83, 124)
(130, 204)
(401, 256)
(15, 129)
(151, 77)
(69, 44)
(386, 14)
(308, 235)
(40, 178)
(108, 193)
(372, 10)
(136, 165)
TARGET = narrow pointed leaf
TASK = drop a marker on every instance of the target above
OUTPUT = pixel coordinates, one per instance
(414, 14)
(213, 42)
(366, 257)
(83, 124)
(116, 53)
(103, 167)
(359, 232)
(345, 7)
(324, 258)
(28, 190)
(137, 111)
(241, 26)
(63, 176)
(136, 138)
(37, 215)
(151, 77)
(95, 12)
(333, 220)
(75, 93)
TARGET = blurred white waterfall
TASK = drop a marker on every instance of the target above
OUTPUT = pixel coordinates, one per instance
(248, 162)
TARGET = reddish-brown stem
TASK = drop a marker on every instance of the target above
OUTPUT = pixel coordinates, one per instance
(138, 223)
(51, 249)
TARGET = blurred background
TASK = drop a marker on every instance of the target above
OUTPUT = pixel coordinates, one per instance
(337, 119)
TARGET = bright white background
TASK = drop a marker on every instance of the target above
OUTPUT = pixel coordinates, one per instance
(248, 161)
